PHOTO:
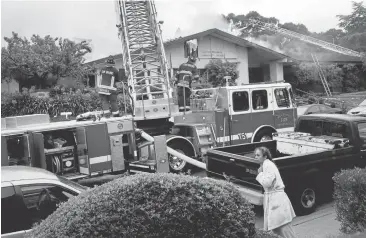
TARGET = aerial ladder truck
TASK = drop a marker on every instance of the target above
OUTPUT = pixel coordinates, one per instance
(144, 140)
(308, 39)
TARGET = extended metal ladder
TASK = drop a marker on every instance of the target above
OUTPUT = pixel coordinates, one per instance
(144, 59)
(308, 39)
(322, 77)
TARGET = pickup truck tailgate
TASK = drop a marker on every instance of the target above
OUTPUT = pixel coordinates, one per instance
(237, 164)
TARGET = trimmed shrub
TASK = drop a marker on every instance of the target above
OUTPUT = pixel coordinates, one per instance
(153, 205)
(350, 199)
(266, 234)
(18, 104)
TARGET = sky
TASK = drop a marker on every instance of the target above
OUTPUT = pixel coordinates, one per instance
(96, 20)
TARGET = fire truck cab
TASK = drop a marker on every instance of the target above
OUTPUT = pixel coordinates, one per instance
(243, 113)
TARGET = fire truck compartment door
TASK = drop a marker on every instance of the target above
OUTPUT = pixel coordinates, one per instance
(38, 155)
(4, 152)
(99, 150)
(26, 146)
(82, 151)
(118, 162)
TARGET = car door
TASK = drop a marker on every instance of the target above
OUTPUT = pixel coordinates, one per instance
(14, 222)
(42, 200)
(23, 200)
(284, 110)
(262, 107)
(240, 128)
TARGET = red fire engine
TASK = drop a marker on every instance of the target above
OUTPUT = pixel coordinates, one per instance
(147, 140)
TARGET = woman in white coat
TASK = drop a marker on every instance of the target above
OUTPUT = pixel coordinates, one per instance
(278, 211)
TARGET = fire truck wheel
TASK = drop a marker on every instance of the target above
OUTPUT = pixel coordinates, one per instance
(263, 135)
(177, 165)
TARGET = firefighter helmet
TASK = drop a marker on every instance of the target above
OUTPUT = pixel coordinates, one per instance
(110, 61)
(192, 59)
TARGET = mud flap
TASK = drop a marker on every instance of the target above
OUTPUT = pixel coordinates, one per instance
(161, 154)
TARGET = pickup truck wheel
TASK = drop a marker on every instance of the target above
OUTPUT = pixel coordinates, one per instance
(305, 201)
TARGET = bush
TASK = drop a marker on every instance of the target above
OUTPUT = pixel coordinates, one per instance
(153, 205)
(350, 199)
(78, 102)
(266, 234)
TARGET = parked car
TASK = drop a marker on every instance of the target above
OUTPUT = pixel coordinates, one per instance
(360, 110)
(317, 108)
(29, 195)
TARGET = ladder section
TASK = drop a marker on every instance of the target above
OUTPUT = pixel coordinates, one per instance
(144, 59)
(323, 79)
(308, 39)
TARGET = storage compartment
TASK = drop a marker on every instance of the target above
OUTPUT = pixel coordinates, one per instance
(296, 143)
(17, 148)
(60, 151)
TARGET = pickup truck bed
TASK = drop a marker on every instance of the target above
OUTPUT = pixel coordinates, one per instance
(307, 159)
(300, 171)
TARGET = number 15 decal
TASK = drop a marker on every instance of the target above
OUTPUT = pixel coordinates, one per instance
(242, 136)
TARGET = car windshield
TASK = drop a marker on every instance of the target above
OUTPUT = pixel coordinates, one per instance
(72, 184)
(301, 110)
(362, 129)
(363, 103)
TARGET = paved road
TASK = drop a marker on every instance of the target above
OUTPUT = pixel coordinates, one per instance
(319, 224)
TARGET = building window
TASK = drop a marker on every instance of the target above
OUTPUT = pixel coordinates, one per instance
(91, 81)
(240, 101)
(260, 99)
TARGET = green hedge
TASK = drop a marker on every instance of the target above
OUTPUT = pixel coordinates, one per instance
(18, 104)
(350, 199)
(153, 205)
(266, 234)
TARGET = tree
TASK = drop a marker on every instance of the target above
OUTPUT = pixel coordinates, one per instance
(355, 27)
(356, 21)
(306, 76)
(43, 58)
(299, 28)
(217, 69)
(332, 35)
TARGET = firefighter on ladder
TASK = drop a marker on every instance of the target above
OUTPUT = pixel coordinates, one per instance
(110, 100)
(108, 73)
(186, 73)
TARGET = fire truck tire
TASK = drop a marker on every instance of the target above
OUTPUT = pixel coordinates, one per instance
(264, 134)
(177, 165)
